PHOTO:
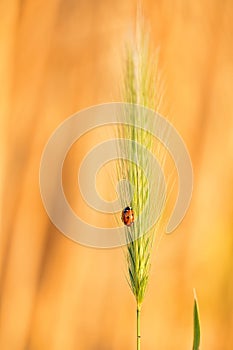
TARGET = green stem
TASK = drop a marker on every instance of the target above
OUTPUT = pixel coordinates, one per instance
(138, 328)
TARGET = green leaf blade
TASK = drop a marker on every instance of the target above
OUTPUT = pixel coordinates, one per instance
(196, 325)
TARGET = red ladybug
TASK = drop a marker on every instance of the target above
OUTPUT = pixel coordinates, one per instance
(127, 216)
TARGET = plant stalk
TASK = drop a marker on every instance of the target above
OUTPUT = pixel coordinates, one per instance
(138, 328)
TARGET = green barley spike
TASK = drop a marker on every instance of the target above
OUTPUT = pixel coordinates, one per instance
(140, 86)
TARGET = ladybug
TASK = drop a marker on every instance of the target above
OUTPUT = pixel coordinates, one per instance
(127, 216)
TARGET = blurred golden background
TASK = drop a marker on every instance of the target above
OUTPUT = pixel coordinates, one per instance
(57, 57)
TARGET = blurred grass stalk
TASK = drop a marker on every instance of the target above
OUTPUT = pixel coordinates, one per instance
(141, 86)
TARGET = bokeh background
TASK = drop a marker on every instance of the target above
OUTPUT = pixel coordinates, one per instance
(57, 57)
